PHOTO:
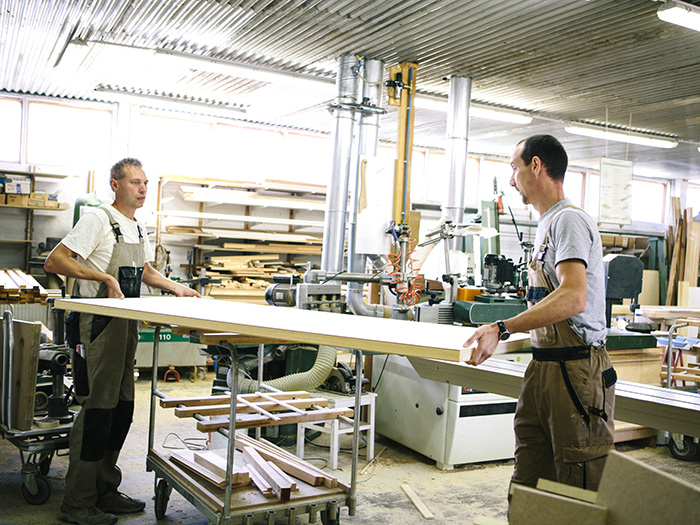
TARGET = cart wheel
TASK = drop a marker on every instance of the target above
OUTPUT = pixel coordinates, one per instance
(43, 492)
(687, 452)
(326, 520)
(45, 465)
(162, 497)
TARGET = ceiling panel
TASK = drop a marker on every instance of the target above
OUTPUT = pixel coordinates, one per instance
(600, 61)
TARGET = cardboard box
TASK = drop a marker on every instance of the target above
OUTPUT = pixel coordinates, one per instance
(18, 184)
(38, 195)
(50, 204)
(17, 200)
(39, 203)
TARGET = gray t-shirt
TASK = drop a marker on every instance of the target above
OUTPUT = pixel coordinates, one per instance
(574, 235)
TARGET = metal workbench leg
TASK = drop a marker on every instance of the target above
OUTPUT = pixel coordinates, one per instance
(154, 389)
(352, 498)
(231, 430)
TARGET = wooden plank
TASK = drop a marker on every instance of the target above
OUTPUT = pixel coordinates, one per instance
(255, 407)
(281, 487)
(273, 248)
(260, 482)
(295, 405)
(422, 507)
(217, 400)
(636, 493)
(566, 490)
(25, 355)
(258, 420)
(293, 468)
(217, 464)
(239, 218)
(389, 336)
(187, 459)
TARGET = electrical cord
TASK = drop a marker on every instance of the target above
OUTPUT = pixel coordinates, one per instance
(188, 443)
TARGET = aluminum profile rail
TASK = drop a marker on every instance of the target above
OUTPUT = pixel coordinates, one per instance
(647, 405)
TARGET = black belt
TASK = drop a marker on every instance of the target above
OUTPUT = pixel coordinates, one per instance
(561, 355)
(570, 353)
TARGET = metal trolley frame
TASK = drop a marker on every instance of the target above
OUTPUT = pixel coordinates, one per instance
(246, 505)
(37, 446)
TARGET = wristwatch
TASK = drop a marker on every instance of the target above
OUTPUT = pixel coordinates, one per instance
(505, 334)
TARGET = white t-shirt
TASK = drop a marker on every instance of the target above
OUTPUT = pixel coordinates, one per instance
(92, 239)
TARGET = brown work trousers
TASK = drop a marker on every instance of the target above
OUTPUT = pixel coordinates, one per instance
(552, 440)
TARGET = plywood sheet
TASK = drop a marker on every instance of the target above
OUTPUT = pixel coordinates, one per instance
(636, 493)
(533, 507)
(387, 336)
(24, 370)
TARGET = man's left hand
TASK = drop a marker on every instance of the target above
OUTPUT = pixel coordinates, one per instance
(184, 291)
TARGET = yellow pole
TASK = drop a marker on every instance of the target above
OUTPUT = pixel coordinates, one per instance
(401, 93)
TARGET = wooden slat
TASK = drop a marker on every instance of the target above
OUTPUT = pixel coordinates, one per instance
(281, 487)
(257, 420)
(218, 400)
(296, 405)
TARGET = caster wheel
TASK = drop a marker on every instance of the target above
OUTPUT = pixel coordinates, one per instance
(45, 466)
(161, 499)
(326, 519)
(43, 492)
(687, 452)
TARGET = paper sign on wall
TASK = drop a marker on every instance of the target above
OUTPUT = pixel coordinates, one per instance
(615, 191)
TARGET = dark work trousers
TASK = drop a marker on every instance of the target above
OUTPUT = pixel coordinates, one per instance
(104, 386)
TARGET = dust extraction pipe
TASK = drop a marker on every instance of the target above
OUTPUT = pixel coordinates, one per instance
(337, 197)
(368, 140)
(457, 147)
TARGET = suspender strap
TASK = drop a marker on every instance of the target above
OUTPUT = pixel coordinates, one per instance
(571, 353)
(572, 393)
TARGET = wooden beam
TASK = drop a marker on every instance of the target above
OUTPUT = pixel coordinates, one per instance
(287, 418)
(295, 405)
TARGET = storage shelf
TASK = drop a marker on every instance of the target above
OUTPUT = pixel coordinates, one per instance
(61, 207)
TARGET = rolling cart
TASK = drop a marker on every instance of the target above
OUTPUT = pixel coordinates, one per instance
(245, 505)
(37, 445)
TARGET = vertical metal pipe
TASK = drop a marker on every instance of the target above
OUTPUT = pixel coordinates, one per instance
(457, 142)
(368, 138)
(337, 196)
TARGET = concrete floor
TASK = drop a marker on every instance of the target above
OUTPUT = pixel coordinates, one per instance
(455, 497)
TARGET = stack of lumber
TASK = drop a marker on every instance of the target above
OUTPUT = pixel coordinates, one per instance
(245, 277)
(18, 287)
(683, 240)
(211, 467)
(255, 410)
(690, 373)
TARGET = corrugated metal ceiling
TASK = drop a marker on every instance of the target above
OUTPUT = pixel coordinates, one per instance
(557, 59)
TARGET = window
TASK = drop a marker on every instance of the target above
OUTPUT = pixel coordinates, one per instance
(307, 158)
(172, 145)
(11, 129)
(250, 153)
(593, 195)
(648, 200)
(573, 187)
(692, 198)
(60, 135)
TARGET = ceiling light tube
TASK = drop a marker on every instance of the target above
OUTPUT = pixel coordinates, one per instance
(475, 110)
(680, 13)
(629, 137)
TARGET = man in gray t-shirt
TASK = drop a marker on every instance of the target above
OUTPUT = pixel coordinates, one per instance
(564, 417)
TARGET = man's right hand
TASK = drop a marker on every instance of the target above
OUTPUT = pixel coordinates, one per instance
(113, 289)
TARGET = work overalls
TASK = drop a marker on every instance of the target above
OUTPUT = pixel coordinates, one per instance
(564, 417)
(104, 386)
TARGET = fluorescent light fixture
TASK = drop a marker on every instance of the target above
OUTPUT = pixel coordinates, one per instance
(630, 137)
(224, 67)
(475, 110)
(681, 14)
(172, 104)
